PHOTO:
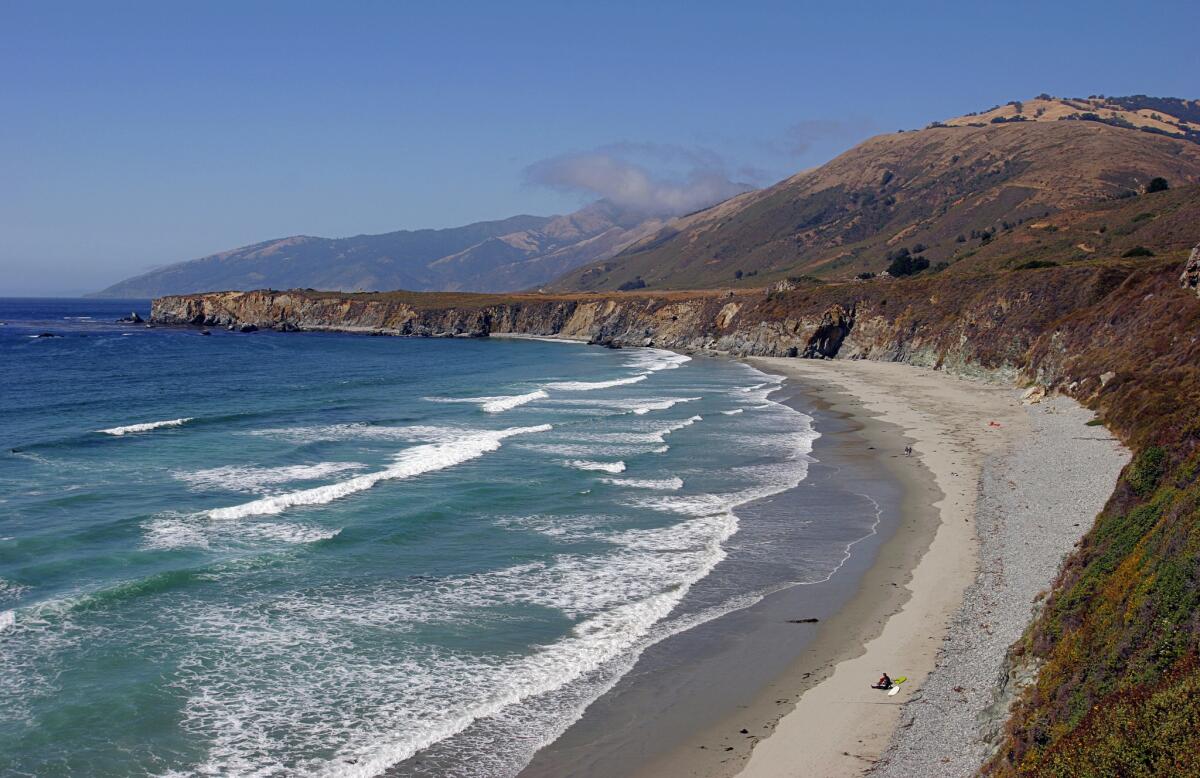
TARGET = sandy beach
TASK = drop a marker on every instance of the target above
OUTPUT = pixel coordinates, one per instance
(994, 495)
(973, 439)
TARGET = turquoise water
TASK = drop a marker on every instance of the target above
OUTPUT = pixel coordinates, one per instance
(278, 554)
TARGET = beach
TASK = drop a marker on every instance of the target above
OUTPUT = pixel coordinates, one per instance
(1022, 482)
(753, 693)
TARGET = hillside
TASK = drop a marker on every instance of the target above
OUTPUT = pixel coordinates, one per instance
(514, 253)
(1160, 115)
(946, 190)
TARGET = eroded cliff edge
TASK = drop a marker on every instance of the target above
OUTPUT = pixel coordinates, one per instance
(984, 325)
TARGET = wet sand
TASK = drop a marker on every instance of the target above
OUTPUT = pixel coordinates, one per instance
(841, 726)
(683, 708)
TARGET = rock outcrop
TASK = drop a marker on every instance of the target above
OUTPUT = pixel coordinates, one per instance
(1190, 279)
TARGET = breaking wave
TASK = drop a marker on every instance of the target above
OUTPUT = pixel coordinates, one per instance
(587, 386)
(411, 462)
(606, 467)
(145, 427)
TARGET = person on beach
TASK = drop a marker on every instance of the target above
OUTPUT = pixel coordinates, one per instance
(885, 682)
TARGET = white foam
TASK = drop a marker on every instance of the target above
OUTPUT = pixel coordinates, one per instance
(10, 590)
(661, 405)
(661, 484)
(253, 698)
(146, 427)
(258, 479)
(499, 404)
(361, 431)
(411, 462)
(172, 531)
(606, 467)
(7, 619)
(654, 359)
(587, 386)
(734, 412)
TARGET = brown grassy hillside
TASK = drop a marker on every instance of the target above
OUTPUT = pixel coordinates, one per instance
(942, 188)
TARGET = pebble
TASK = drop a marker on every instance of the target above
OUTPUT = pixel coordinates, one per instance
(1065, 478)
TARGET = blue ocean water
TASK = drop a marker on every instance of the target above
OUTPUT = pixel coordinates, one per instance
(277, 554)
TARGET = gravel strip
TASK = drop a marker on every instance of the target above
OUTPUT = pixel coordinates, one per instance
(1036, 501)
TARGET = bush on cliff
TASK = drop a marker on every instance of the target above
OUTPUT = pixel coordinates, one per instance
(907, 265)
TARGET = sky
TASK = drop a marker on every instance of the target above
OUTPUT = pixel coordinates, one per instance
(136, 134)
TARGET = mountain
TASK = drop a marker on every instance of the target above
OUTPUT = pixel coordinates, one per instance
(515, 253)
(945, 190)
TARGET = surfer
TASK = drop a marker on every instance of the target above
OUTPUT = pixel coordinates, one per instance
(884, 682)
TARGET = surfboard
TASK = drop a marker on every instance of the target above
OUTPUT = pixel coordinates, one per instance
(892, 692)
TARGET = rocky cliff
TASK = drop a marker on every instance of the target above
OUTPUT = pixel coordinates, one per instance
(981, 325)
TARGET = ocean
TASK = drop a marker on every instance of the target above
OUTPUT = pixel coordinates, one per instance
(272, 554)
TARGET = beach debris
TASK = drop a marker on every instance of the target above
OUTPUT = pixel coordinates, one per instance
(1034, 394)
(993, 424)
(802, 621)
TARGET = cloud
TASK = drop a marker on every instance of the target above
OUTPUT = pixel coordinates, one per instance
(684, 179)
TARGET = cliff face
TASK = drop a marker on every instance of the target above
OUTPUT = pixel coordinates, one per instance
(979, 325)
(1115, 652)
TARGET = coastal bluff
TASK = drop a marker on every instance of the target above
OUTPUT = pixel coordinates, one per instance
(1005, 326)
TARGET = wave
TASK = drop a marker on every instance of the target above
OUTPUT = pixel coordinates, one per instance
(179, 531)
(7, 619)
(734, 412)
(661, 405)
(607, 467)
(146, 427)
(654, 359)
(662, 484)
(587, 386)
(256, 479)
(247, 702)
(412, 462)
(361, 431)
(497, 404)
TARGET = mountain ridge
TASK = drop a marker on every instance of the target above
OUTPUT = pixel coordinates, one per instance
(942, 188)
(502, 255)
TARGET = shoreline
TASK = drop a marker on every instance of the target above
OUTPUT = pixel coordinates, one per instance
(853, 607)
(918, 595)
(840, 726)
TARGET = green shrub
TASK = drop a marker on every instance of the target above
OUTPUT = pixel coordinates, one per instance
(1034, 264)
(907, 265)
(1138, 251)
(1157, 184)
(1147, 469)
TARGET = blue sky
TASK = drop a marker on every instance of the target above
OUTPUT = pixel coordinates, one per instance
(136, 134)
